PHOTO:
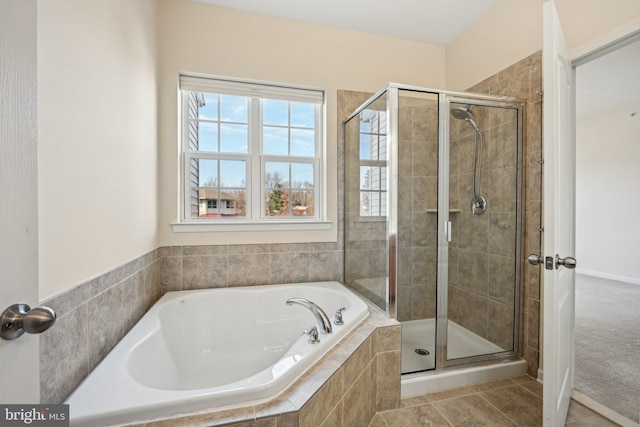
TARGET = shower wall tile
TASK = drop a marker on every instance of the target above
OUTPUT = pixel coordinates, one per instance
(473, 312)
(501, 189)
(502, 153)
(502, 276)
(502, 232)
(500, 324)
(473, 273)
(474, 231)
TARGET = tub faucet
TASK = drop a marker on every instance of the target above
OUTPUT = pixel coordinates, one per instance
(318, 313)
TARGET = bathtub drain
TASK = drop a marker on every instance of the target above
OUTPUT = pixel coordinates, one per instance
(422, 351)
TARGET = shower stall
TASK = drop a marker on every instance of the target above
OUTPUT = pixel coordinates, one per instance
(433, 223)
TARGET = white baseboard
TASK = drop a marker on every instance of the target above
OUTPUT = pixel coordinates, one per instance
(540, 375)
(631, 280)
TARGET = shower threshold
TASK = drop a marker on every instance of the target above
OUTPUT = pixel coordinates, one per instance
(420, 334)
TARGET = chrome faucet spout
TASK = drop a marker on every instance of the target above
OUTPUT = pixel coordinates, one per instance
(321, 317)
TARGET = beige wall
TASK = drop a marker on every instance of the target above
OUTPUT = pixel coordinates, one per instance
(211, 40)
(97, 142)
(513, 30)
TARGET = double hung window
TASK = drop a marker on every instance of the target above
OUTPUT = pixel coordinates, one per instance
(252, 153)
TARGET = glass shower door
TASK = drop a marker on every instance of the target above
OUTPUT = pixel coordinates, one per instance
(417, 228)
(485, 212)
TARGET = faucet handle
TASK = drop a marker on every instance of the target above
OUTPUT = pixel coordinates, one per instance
(313, 335)
(338, 320)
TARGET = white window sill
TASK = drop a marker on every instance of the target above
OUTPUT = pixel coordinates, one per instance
(206, 227)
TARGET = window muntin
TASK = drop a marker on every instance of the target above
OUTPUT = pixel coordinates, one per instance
(250, 155)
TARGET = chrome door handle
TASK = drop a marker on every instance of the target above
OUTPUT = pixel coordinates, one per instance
(535, 259)
(567, 262)
(20, 318)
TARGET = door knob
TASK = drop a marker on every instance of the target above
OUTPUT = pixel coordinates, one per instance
(535, 259)
(567, 262)
(20, 318)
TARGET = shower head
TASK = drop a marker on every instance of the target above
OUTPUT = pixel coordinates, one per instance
(462, 113)
(465, 113)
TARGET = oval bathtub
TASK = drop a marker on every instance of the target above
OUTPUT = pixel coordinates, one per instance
(196, 350)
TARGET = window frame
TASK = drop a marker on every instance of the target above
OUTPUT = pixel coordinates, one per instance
(256, 217)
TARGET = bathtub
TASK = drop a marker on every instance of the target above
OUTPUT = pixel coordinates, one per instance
(197, 350)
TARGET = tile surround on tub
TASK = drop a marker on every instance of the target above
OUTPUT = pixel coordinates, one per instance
(197, 267)
(92, 318)
(95, 315)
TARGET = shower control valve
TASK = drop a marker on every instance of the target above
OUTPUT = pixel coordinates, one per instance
(338, 320)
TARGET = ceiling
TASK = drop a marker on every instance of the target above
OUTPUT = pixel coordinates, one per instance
(609, 82)
(604, 84)
(436, 22)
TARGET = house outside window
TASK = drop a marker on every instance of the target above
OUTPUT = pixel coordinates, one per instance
(252, 153)
(373, 163)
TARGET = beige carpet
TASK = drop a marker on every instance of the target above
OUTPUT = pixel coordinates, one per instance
(608, 343)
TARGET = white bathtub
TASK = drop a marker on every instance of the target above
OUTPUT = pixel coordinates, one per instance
(196, 350)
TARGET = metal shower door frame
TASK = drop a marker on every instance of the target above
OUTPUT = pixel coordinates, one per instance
(445, 98)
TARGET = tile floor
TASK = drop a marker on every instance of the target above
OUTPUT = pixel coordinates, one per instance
(509, 402)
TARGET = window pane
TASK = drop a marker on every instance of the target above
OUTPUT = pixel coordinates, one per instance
(376, 178)
(302, 203)
(382, 147)
(369, 178)
(302, 175)
(276, 175)
(204, 172)
(365, 125)
(207, 136)
(233, 173)
(277, 202)
(233, 138)
(234, 108)
(302, 142)
(365, 147)
(365, 203)
(223, 203)
(275, 112)
(233, 203)
(209, 106)
(375, 204)
(275, 141)
(303, 115)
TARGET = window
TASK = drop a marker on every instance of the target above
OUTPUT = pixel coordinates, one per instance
(252, 153)
(373, 164)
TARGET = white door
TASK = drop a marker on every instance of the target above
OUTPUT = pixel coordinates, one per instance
(20, 370)
(559, 230)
